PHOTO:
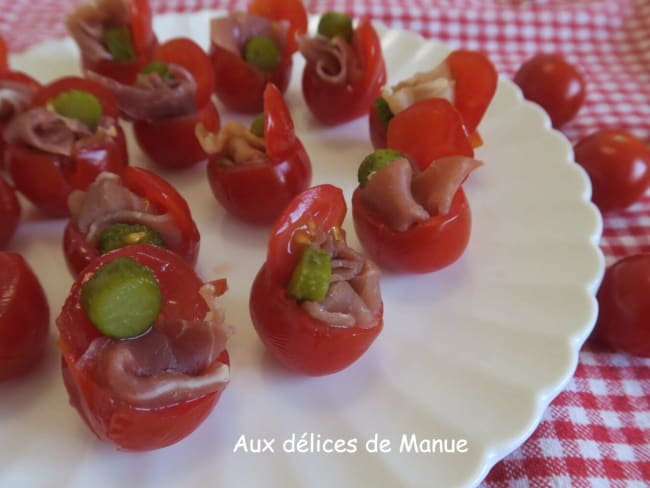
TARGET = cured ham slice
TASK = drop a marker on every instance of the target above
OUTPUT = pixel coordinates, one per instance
(107, 202)
(88, 22)
(236, 144)
(15, 97)
(233, 32)
(436, 83)
(334, 59)
(154, 97)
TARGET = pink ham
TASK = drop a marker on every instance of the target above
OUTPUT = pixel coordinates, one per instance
(174, 361)
(388, 192)
(107, 202)
(15, 97)
(87, 23)
(334, 59)
(436, 186)
(236, 144)
(234, 31)
(154, 97)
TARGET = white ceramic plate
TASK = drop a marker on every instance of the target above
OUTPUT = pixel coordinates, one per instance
(474, 352)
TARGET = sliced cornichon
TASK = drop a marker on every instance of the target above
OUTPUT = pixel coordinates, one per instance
(374, 162)
(122, 299)
(80, 105)
(311, 276)
(383, 110)
(122, 234)
(119, 44)
(333, 24)
(263, 53)
(159, 67)
(257, 125)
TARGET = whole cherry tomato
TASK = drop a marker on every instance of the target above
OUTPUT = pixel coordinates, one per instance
(109, 416)
(24, 317)
(618, 165)
(143, 40)
(46, 179)
(9, 212)
(554, 84)
(624, 306)
(171, 142)
(164, 199)
(337, 103)
(259, 192)
(290, 10)
(297, 339)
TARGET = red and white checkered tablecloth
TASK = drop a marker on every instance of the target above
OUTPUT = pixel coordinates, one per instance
(597, 432)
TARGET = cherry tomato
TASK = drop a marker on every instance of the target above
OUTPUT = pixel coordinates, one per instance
(335, 104)
(24, 317)
(554, 84)
(295, 338)
(290, 10)
(618, 165)
(9, 212)
(165, 199)
(259, 192)
(624, 306)
(426, 247)
(428, 130)
(144, 46)
(4, 65)
(47, 179)
(110, 418)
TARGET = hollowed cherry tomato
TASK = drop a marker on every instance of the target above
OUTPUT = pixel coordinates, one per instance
(554, 84)
(9, 212)
(618, 165)
(24, 317)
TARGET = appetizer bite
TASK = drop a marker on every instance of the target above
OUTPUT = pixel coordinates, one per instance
(344, 68)
(144, 347)
(316, 303)
(170, 96)
(410, 212)
(24, 317)
(69, 136)
(9, 212)
(138, 207)
(254, 173)
(250, 49)
(466, 78)
(115, 37)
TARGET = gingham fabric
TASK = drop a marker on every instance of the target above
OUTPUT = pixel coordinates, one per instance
(597, 432)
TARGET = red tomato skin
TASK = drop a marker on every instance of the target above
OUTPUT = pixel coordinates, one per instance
(47, 179)
(172, 143)
(240, 86)
(426, 247)
(4, 65)
(291, 10)
(79, 252)
(111, 419)
(336, 104)
(618, 165)
(554, 84)
(24, 317)
(9, 212)
(624, 306)
(296, 339)
(428, 130)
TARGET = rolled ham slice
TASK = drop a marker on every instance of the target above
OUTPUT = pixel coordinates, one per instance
(334, 59)
(234, 31)
(15, 97)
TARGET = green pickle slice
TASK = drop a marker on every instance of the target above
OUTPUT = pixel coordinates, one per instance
(122, 235)
(157, 67)
(311, 277)
(118, 42)
(263, 53)
(79, 105)
(333, 24)
(374, 162)
(122, 299)
(383, 110)
(257, 125)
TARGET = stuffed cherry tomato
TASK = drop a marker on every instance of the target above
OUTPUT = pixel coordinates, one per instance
(69, 136)
(255, 174)
(292, 11)
(144, 347)
(137, 208)
(115, 37)
(466, 78)
(316, 303)
(248, 51)
(410, 212)
(24, 317)
(344, 69)
(9, 212)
